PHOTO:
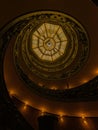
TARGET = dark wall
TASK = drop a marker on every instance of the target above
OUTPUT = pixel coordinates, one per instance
(95, 2)
(10, 9)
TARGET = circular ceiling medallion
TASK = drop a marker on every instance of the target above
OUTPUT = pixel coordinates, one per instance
(51, 45)
(49, 42)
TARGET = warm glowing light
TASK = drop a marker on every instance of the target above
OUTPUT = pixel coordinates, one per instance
(85, 122)
(40, 84)
(84, 81)
(12, 92)
(43, 110)
(83, 117)
(96, 71)
(70, 86)
(54, 88)
(61, 119)
(26, 102)
(25, 107)
(61, 113)
(49, 42)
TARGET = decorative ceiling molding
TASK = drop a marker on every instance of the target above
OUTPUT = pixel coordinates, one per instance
(86, 92)
(62, 59)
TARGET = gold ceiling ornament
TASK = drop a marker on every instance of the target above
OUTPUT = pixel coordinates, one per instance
(52, 45)
(49, 42)
(28, 64)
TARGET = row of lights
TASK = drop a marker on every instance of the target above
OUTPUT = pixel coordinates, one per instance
(71, 86)
(84, 120)
(43, 111)
(60, 116)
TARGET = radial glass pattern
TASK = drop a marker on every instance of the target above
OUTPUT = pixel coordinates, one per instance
(49, 42)
(50, 45)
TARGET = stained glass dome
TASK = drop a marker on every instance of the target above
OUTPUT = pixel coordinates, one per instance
(51, 46)
(49, 42)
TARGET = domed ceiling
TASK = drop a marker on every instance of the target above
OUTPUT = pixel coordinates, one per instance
(53, 45)
(48, 54)
(50, 46)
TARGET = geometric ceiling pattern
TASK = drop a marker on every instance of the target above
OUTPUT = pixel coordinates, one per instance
(51, 46)
(41, 69)
(27, 34)
(49, 42)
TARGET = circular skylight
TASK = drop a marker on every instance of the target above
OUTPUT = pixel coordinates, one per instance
(50, 45)
(49, 42)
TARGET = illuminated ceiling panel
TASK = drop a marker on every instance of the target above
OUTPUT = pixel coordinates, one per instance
(49, 39)
(51, 48)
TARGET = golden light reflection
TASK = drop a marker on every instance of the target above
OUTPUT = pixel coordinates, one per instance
(96, 72)
(85, 81)
(25, 107)
(83, 116)
(43, 110)
(40, 84)
(71, 86)
(26, 102)
(12, 92)
(53, 88)
(61, 119)
(61, 114)
(49, 42)
(84, 120)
